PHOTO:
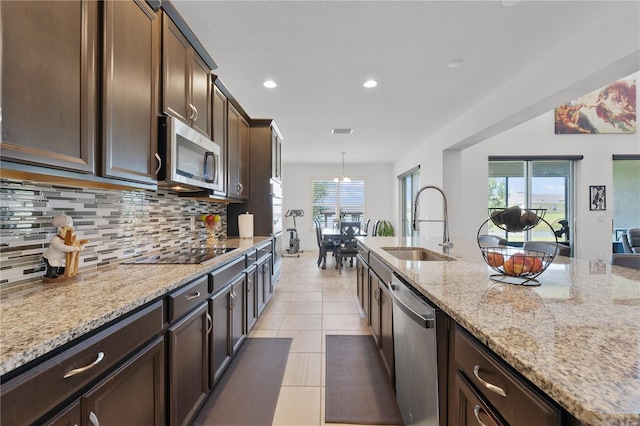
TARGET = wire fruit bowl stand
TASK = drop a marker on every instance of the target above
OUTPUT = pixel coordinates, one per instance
(515, 265)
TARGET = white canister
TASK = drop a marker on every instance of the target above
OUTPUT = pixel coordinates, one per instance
(245, 225)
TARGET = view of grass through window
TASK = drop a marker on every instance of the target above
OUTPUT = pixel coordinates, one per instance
(335, 201)
(534, 184)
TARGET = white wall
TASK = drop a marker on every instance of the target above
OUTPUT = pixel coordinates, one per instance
(296, 187)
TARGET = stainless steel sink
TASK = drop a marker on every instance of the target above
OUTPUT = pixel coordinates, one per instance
(416, 254)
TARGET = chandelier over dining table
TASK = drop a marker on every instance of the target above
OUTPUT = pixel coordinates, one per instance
(344, 177)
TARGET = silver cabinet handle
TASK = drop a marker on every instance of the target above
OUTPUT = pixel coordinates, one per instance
(159, 162)
(233, 299)
(86, 367)
(476, 412)
(491, 387)
(190, 111)
(239, 188)
(94, 419)
(193, 295)
(210, 322)
(195, 113)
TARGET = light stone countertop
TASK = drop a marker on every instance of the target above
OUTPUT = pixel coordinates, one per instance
(576, 336)
(38, 318)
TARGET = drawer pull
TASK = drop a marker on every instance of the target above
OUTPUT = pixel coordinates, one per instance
(94, 419)
(476, 412)
(491, 387)
(210, 323)
(86, 367)
(193, 296)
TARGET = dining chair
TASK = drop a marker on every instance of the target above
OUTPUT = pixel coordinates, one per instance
(365, 228)
(374, 232)
(631, 240)
(629, 260)
(348, 244)
(323, 245)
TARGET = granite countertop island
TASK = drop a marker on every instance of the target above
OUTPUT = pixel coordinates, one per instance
(576, 336)
(38, 318)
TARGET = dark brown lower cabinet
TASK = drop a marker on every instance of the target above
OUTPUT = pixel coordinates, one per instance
(133, 394)
(237, 302)
(188, 365)
(252, 297)
(220, 347)
(472, 410)
(265, 269)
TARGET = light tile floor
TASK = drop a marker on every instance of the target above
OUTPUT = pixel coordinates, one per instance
(308, 304)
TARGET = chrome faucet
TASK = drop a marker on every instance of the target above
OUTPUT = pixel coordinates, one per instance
(446, 243)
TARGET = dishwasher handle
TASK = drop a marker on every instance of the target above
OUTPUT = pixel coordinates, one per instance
(416, 309)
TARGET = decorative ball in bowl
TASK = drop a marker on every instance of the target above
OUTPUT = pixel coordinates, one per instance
(516, 219)
(515, 265)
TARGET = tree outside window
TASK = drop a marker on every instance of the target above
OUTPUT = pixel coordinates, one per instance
(335, 201)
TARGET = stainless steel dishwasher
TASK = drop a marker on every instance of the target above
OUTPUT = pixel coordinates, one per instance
(414, 342)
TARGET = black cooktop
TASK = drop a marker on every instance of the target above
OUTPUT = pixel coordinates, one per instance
(183, 256)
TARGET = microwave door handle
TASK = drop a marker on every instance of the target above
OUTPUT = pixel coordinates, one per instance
(216, 162)
(204, 166)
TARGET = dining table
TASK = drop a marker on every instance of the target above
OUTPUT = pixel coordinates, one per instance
(333, 235)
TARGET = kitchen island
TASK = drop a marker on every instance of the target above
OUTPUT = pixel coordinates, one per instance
(576, 337)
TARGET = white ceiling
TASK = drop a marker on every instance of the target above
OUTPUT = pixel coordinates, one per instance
(321, 52)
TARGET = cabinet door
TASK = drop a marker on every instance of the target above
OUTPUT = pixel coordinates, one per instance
(131, 60)
(243, 157)
(265, 271)
(237, 302)
(219, 131)
(200, 95)
(276, 157)
(261, 287)
(69, 416)
(362, 276)
(49, 57)
(176, 63)
(233, 166)
(375, 306)
(252, 298)
(472, 409)
(188, 365)
(220, 336)
(386, 329)
(133, 394)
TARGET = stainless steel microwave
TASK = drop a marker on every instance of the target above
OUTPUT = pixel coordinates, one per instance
(190, 160)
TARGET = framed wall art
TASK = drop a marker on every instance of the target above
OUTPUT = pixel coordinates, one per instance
(611, 109)
(597, 197)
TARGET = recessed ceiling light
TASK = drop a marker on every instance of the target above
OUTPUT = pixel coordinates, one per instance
(370, 83)
(270, 84)
(455, 63)
(342, 131)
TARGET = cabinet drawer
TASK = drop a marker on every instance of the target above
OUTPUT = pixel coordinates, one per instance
(381, 270)
(264, 250)
(252, 256)
(223, 276)
(516, 401)
(36, 392)
(188, 297)
(364, 253)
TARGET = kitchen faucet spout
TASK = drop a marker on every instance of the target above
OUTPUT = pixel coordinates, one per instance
(446, 243)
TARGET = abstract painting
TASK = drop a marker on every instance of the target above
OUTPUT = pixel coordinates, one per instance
(611, 109)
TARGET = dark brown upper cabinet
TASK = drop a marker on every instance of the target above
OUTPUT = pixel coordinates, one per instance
(131, 87)
(219, 131)
(186, 80)
(238, 154)
(49, 68)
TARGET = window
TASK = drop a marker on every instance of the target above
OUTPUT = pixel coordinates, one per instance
(409, 186)
(534, 184)
(333, 200)
(626, 187)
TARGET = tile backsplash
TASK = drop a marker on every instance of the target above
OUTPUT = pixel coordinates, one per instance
(118, 223)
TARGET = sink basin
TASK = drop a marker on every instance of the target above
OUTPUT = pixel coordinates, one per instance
(416, 254)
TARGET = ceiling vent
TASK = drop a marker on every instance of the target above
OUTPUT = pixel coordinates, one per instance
(342, 131)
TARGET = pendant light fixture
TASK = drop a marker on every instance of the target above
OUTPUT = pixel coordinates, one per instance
(345, 178)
